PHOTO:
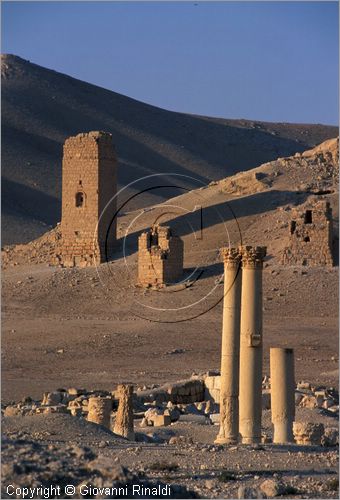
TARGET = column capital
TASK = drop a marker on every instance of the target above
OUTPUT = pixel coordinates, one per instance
(252, 257)
(231, 257)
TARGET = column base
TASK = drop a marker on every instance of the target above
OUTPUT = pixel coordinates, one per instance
(251, 440)
(225, 440)
(283, 432)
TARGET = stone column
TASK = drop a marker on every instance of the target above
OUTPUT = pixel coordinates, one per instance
(100, 411)
(124, 418)
(282, 383)
(230, 358)
(250, 399)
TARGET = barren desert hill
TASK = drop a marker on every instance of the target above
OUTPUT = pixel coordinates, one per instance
(250, 207)
(41, 108)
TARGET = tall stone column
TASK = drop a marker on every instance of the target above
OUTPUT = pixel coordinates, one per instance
(250, 399)
(230, 358)
(124, 418)
(282, 382)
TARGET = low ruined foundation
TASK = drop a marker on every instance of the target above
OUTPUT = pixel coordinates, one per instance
(124, 419)
(310, 236)
(282, 394)
(250, 398)
(229, 415)
(100, 411)
(160, 257)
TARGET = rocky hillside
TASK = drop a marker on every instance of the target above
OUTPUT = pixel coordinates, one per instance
(41, 108)
(251, 207)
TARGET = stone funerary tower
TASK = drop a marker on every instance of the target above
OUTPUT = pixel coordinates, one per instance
(160, 257)
(310, 240)
(89, 182)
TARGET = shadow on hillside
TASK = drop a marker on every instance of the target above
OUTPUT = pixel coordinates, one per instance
(226, 211)
(28, 201)
(205, 272)
(53, 106)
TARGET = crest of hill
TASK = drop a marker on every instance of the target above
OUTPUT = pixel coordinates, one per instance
(41, 108)
(261, 199)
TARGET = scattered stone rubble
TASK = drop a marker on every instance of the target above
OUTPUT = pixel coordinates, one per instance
(186, 400)
(39, 251)
(306, 395)
(247, 183)
(28, 463)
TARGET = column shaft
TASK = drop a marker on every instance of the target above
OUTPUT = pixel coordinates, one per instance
(250, 399)
(229, 418)
(282, 383)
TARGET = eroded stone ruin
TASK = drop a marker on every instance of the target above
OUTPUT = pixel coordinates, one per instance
(310, 239)
(124, 418)
(160, 257)
(89, 180)
(158, 406)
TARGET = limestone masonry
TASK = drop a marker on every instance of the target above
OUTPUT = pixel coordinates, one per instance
(89, 182)
(160, 257)
(310, 236)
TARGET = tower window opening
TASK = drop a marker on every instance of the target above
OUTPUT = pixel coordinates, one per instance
(308, 217)
(306, 239)
(292, 227)
(80, 199)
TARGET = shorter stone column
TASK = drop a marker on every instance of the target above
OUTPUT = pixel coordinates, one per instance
(282, 382)
(124, 418)
(100, 411)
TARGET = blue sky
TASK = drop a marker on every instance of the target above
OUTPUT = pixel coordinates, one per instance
(274, 61)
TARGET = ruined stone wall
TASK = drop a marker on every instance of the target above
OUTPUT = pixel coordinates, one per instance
(310, 241)
(160, 257)
(88, 184)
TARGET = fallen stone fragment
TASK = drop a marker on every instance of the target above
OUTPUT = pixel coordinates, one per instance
(248, 492)
(12, 411)
(52, 409)
(161, 420)
(308, 433)
(52, 398)
(175, 440)
(144, 423)
(100, 411)
(330, 437)
(311, 401)
(272, 488)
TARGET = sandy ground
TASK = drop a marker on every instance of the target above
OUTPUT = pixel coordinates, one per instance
(210, 471)
(64, 328)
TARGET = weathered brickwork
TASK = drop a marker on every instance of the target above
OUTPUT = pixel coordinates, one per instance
(310, 236)
(89, 182)
(160, 257)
